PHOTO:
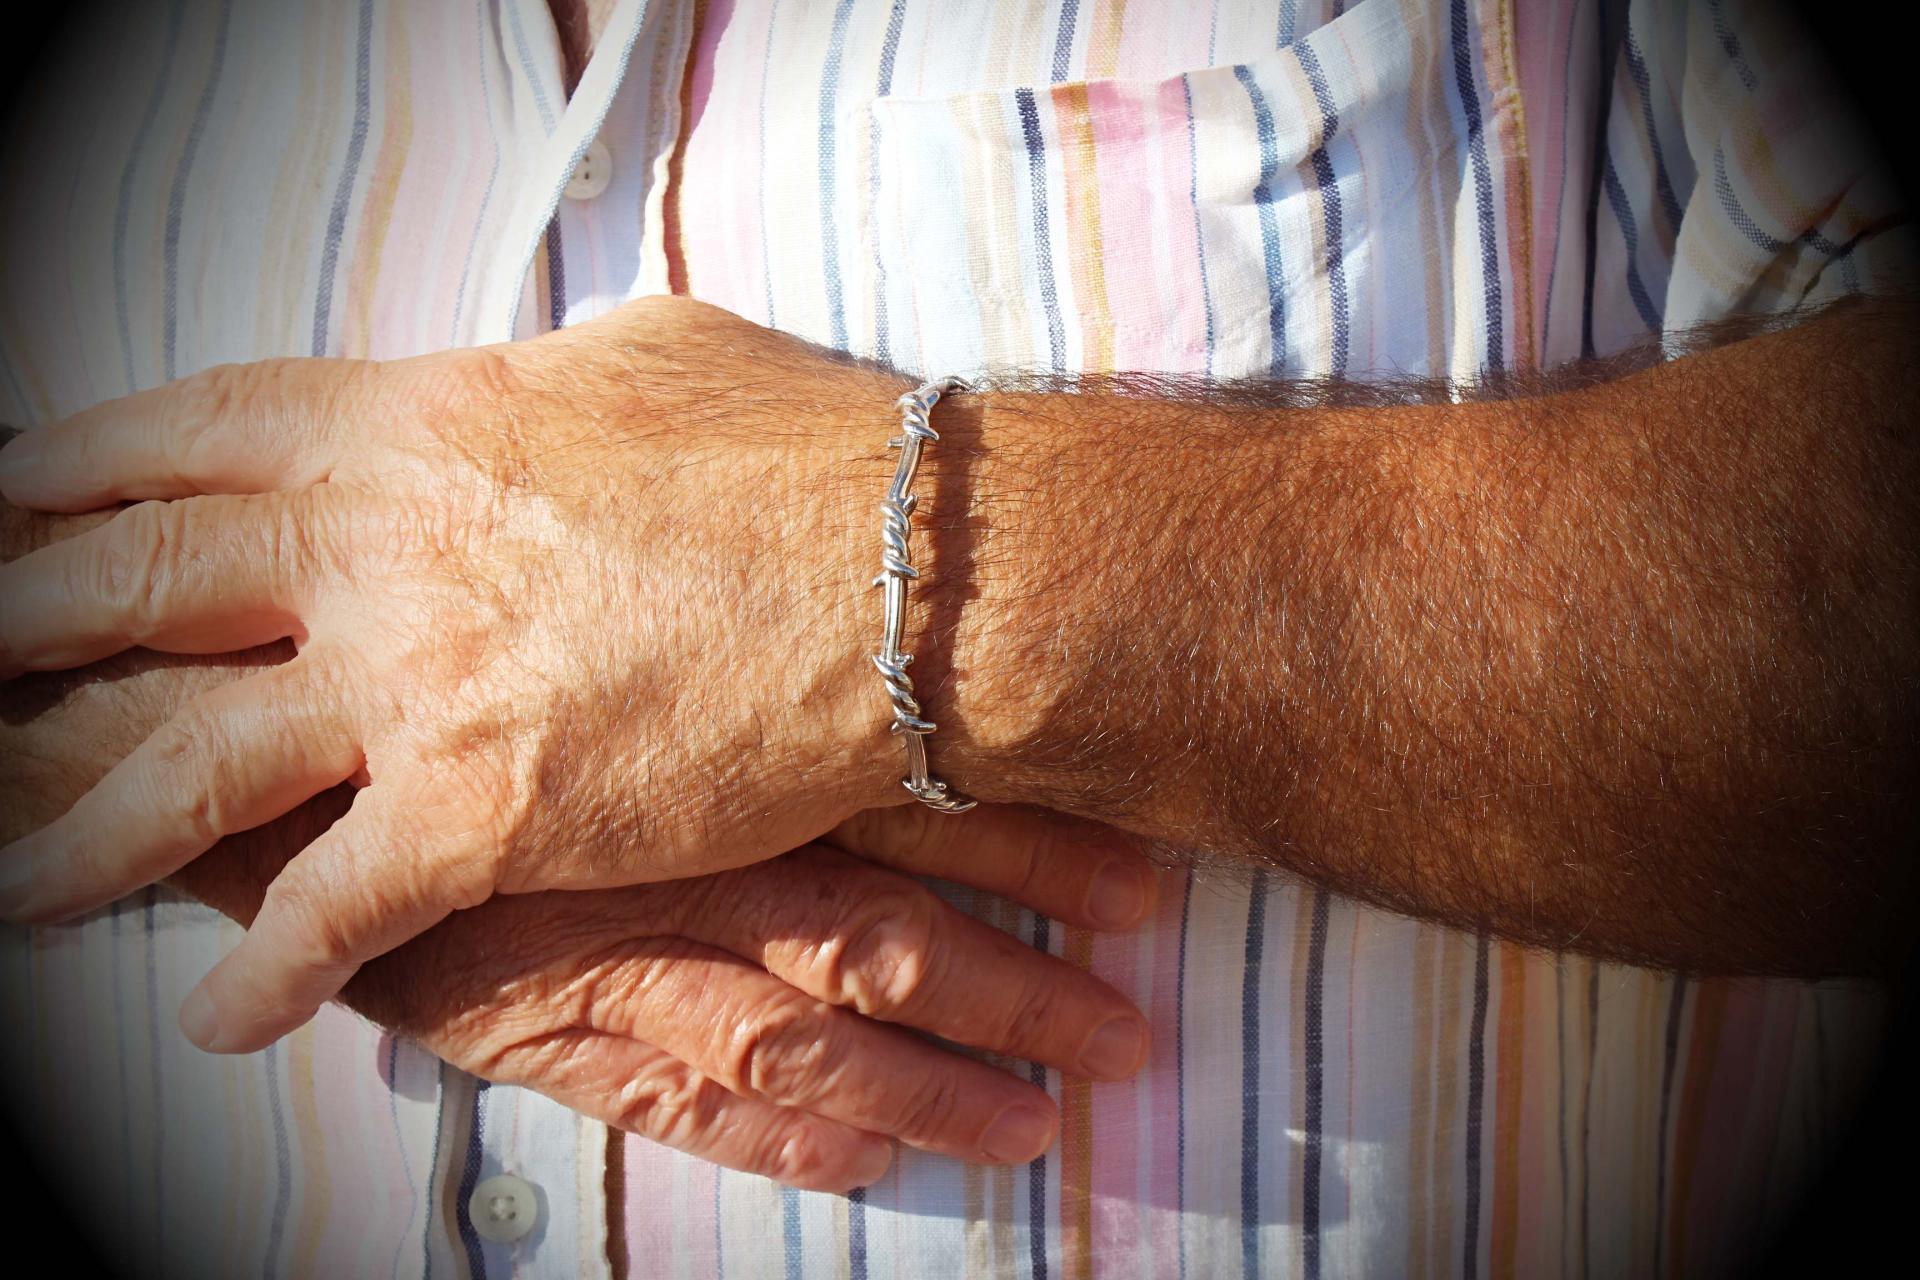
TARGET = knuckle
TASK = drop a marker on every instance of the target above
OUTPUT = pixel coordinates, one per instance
(1030, 847)
(785, 1052)
(305, 536)
(132, 557)
(199, 400)
(1031, 1016)
(188, 779)
(913, 831)
(799, 1156)
(931, 1109)
(667, 1102)
(320, 944)
(881, 959)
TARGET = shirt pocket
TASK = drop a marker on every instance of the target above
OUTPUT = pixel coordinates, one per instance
(1340, 206)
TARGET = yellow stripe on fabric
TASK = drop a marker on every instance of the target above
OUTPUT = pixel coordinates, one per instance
(992, 264)
(316, 1205)
(1073, 125)
(1509, 114)
(1103, 40)
(390, 160)
(1422, 97)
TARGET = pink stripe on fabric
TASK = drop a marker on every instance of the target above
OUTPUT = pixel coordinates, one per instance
(662, 1238)
(1161, 1246)
(1129, 207)
(1541, 36)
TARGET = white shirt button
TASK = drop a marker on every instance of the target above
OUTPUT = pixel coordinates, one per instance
(503, 1208)
(592, 174)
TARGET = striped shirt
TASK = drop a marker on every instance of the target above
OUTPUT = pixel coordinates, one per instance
(1292, 187)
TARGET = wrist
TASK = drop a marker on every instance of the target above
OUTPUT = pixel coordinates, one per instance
(991, 621)
(979, 556)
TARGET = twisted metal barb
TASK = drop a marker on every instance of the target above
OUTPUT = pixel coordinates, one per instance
(896, 569)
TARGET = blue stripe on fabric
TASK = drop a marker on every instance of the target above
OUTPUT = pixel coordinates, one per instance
(889, 51)
(532, 69)
(469, 1180)
(1559, 196)
(1730, 45)
(829, 228)
(1671, 1055)
(1611, 22)
(857, 1234)
(1042, 241)
(177, 197)
(1250, 1079)
(349, 174)
(1287, 30)
(1269, 224)
(1629, 232)
(1643, 83)
(556, 277)
(400, 1143)
(433, 1167)
(1482, 185)
(123, 207)
(1476, 1081)
(282, 1166)
(1744, 223)
(1193, 199)
(1315, 1052)
(790, 1232)
(1037, 1168)
(1063, 40)
(1328, 188)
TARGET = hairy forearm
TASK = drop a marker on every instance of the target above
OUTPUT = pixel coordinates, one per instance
(1629, 667)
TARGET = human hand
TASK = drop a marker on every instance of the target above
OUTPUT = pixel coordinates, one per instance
(722, 1016)
(584, 611)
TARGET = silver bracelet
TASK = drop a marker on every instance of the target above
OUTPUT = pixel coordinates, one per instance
(916, 408)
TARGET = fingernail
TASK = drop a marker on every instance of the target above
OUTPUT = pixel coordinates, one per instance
(200, 1021)
(1018, 1135)
(1115, 1049)
(16, 875)
(872, 1164)
(1119, 895)
(18, 457)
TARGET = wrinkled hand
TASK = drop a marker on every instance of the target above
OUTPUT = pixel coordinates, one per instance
(722, 1016)
(583, 611)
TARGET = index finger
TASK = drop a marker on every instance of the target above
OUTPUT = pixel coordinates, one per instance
(236, 428)
(1073, 870)
(852, 934)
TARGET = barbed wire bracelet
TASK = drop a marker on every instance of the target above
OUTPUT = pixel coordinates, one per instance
(916, 430)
